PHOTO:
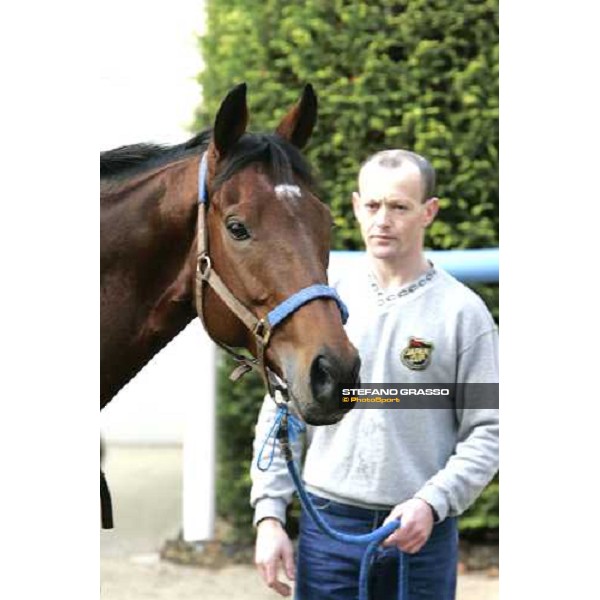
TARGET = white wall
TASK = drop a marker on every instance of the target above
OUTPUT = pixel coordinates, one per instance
(148, 92)
(149, 63)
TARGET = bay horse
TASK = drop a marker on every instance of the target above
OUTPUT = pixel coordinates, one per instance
(268, 235)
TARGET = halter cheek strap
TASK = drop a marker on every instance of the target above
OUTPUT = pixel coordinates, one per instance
(260, 328)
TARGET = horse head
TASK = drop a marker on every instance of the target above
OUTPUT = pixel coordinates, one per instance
(268, 236)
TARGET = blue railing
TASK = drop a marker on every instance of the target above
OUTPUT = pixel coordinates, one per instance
(468, 266)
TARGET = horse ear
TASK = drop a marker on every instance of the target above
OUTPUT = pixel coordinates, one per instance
(231, 120)
(298, 124)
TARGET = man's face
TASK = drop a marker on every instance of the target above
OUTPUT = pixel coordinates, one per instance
(390, 210)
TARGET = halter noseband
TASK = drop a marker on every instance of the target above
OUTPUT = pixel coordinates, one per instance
(260, 328)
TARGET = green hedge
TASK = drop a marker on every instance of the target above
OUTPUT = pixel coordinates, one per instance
(419, 74)
(237, 411)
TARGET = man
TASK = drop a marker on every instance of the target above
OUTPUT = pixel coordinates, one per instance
(413, 324)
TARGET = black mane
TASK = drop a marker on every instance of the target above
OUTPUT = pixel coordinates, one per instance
(134, 159)
(281, 157)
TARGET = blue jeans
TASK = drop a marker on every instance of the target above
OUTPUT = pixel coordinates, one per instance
(328, 570)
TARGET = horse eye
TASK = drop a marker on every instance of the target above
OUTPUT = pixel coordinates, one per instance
(237, 230)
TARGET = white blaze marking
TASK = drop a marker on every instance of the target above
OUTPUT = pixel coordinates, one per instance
(287, 191)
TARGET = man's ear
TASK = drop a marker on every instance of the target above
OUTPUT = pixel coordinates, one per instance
(432, 206)
(355, 203)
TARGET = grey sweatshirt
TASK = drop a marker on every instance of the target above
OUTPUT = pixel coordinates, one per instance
(378, 458)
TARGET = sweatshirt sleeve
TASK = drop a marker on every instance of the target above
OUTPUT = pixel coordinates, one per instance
(272, 489)
(475, 460)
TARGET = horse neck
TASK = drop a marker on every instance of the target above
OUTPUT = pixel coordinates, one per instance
(148, 246)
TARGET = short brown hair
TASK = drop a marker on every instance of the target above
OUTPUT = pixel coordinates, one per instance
(392, 159)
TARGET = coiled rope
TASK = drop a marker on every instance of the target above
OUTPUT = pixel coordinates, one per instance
(287, 427)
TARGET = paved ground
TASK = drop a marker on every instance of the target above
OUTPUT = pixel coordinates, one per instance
(146, 488)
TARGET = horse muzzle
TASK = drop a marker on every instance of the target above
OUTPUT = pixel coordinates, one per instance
(318, 397)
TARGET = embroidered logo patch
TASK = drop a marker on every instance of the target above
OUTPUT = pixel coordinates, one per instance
(417, 355)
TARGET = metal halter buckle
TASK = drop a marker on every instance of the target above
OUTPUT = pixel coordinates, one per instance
(262, 330)
(204, 266)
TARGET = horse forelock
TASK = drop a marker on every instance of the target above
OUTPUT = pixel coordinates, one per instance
(281, 158)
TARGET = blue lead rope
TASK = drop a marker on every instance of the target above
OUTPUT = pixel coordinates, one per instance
(286, 427)
(294, 428)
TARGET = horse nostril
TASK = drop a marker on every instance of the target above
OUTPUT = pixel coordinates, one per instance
(327, 374)
(322, 379)
(321, 371)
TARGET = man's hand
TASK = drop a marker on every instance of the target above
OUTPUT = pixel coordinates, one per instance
(273, 546)
(417, 523)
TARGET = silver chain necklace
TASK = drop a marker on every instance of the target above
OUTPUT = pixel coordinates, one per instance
(383, 297)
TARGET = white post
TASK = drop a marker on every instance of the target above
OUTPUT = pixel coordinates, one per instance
(199, 455)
